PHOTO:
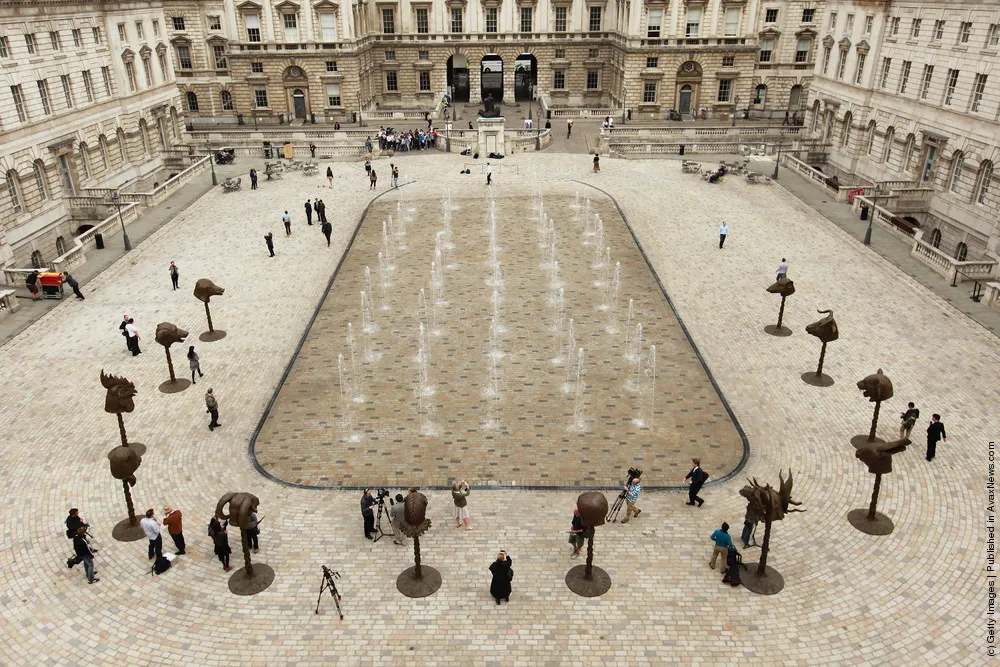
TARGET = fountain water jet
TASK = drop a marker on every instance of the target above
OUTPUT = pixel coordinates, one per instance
(634, 359)
(579, 422)
(352, 345)
(615, 286)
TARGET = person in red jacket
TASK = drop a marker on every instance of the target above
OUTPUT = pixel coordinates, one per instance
(172, 520)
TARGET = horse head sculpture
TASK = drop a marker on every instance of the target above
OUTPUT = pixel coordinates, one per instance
(120, 394)
(205, 289)
(167, 334)
(784, 288)
(825, 329)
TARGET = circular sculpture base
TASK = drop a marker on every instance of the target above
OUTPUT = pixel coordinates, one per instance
(772, 582)
(777, 331)
(241, 584)
(174, 386)
(125, 532)
(138, 447)
(880, 525)
(408, 584)
(210, 336)
(860, 441)
(598, 584)
(822, 380)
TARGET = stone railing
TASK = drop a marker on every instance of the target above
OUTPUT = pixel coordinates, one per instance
(76, 255)
(524, 140)
(617, 133)
(993, 295)
(841, 191)
(167, 188)
(404, 114)
(952, 269)
(583, 113)
(85, 202)
(882, 216)
(15, 277)
(8, 303)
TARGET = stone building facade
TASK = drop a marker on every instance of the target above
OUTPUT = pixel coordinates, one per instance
(88, 101)
(909, 91)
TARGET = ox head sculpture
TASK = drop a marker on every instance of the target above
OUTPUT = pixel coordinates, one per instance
(825, 329)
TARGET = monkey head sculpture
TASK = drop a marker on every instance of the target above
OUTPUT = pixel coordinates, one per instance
(784, 287)
(593, 506)
(241, 506)
(124, 463)
(878, 455)
(876, 387)
(415, 521)
(825, 329)
(167, 334)
(120, 394)
(205, 289)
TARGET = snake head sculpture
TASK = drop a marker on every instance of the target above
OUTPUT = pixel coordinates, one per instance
(167, 334)
(876, 387)
(878, 455)
(124, 463)
(205, 289)
(241, 506)
(783, 287)
(825, 329)
(593, 506)
(415, 521)
(120, 394)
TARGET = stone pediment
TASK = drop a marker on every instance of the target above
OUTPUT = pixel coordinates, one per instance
(249, 6)
(844, 43)
(863, 46)
(145, 51)
(287, 7)
(769, 33)
(327, 6)
(828, 41)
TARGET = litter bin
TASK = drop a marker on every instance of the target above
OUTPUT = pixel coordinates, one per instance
(864, 212)
(51, 282)
(99, 241)
(682, 149)
(267, 150)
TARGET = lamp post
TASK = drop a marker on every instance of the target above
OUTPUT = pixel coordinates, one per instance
(118, 202)
(868, 232)
(736, 104)
(777, 160)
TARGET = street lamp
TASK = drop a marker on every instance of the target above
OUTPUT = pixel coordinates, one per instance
(118, 202)
(736, 104)
(868, 232)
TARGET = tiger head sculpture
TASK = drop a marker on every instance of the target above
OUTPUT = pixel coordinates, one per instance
(876, 387)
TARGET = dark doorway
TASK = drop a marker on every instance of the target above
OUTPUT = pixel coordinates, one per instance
(299, 99)
(458, 78)
(525, 77)
(685, 101)
(491, 75)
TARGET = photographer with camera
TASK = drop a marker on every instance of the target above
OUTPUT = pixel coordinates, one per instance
(459, 494)
(367, 501)
(632, 491)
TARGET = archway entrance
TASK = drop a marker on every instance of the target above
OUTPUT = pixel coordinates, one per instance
(458, 77)
(684, 105)
(299, 103)
(688, 84)
(525, 77)
(491, 77)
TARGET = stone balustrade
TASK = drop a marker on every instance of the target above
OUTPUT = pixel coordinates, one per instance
(8, 303)
(583, 113)
(76, 255)
(952, 269)
(993, 295)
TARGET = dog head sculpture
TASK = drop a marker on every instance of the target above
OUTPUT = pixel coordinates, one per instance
(120, 394)
(167, 334)
(205, 289)
(825, 329)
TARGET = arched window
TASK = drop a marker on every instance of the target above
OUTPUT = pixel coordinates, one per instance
(908, 152)
(122, 149)
(227, 100)
(961, 252)
(936, 238)
(846, 133)
(14, 190)
(36, 259)
(143, 129)
(795, 96)
(102, 147)
(983, 181)
(60, 246)
(815, 118)
(85, 160)
(760, 94)
(871, 137)
(890, 136)
(43, 190)
(957, 164)
(192, 101)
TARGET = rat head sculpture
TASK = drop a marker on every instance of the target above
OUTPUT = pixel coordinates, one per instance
(120, 394)
(415, 521)
(205, 289)
(124, 463)
(878, 455)
(593, 506)
(825, 329)
(784, 287)
(876, 387)
(167, 334)
(241, 506)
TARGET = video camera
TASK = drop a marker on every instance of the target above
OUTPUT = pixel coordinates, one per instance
(382, 494)
(632, 474)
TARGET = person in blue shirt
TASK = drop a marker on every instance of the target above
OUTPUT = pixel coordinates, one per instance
(723, 542)
(632, 491)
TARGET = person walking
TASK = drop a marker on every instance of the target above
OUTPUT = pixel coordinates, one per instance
(395, 176)
(269, 240)
(84, 554)
(329, 176)
(309, 212)
(151, 527)
(908, 419)
(194, 361)
(782, 270)
(287, 220)
(74, 522)
(31, 282)
(368, 166)
(373, 177)
(74, 285)
(697, 477)
(576, 533)
(597, 163)
(327, 229)
(723, 542)
(460, 495)
(220, 538)
(133, 337)
(175, 274)
(322, 210)
(935, 434)
(367, 514)
(569, 127)
(396, 514)
(632, 491)
(502, 576)
(723, 233)
(489, 174)
(121, 328)
(253, 179)
(213, 409)
(172, 520)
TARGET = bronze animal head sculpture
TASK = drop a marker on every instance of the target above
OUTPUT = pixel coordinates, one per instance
(593, 506)
(124, 463)
(205, 289)
(241, 506)
(878, 455)
(120, 394)
(764, 503)
(876, 387)
(825, 329)
(784, 287)
(167, 334)
(415, 521)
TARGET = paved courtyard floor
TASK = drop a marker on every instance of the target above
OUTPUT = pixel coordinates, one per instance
(917, 596)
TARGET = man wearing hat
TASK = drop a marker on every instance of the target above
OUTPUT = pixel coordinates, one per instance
(172, 520)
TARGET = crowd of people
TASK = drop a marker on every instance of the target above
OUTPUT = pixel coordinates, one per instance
(391, 139)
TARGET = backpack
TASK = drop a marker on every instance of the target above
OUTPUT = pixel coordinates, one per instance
(160, 565)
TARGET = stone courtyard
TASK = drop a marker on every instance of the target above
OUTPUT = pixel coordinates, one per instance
(917, 596)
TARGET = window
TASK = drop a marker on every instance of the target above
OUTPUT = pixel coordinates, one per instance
(491, 19)
(826, 59)
(965, 33)
(96, 34)
(983, 182)
(331, 65)
(693, 28)
(122, 153)
(957, 164)
(12, 190)
(652, 62)
(846, 135)
(949, 87)
(907, 153)
(43, 92)
(29, 41)
(886, 66)
(993, 36)
(88, 86)
(178, 22)
(904, 77)
(423, 25)
(54, 40)
(333, 95)
(122, 37)
(257, 67)
(733, 15)
(807, 15)
(560, 19)
(938, 29)
(526, 16)
(391, 85)
(915, 28)
(871, 137)
(67, 87)
(138, 29)
(802, 50)
(253, 27)
(390, 56)
(184, 57)
(725, 90)
(260, 97)
(220, 56)
(595, 19)
(961, 251)
(861, 67)
(593, 53)
(833, 21)
(156, 33)
(18, 95)
(215, 22)
(291, 25)
(887, 145)
(85, 160)
(766, 49)
(67, 179)
(729, 61)
(162, 59)
(869, 24)
(849, 28)
(654, 18)
(894, 26)
(423, 55)
(759, 94)
(925, 83)
(559, 79)
(977, 92)
(592, 79)
(456, 19)
(227, 100)
(560, 54)
(106, 76)
(192, 101)
(770, 16)
(39, 170)
(388, 21)
(649, 92)
(425, 81)
(842, 64)
(77, 40)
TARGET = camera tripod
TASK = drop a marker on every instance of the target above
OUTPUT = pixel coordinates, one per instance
(328, 584)
(615, 508)
(379, 513)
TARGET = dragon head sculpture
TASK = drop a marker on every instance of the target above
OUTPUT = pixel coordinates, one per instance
(764, 503)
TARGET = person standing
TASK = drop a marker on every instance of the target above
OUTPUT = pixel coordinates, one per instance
(697, 477)
(121, 328)
(460, 495)
(632, 491)
(748, 525)
(395, 176)
(151, 527)
(84, 554)
(31, 282)
(489, 174)
(172, 520)
(312, 151)
(220, 538)
(269, 240)
(782, 269)
(287, 220)
(908, 419)
(723, 233)
(396, 514)
(309, 213)
(373, 177)
(723, 543)
(253, 179)
(935, 434)
(175, 274)
(368, 166)
(327, 229)
(194, 361)
(569, 127)
(133, 337)
(322, 210)
(576, 533)
(329, 176)
(502, 575)
(597, 163)
(253, 531)
(367, 514)
(785, 122)
(213, 409)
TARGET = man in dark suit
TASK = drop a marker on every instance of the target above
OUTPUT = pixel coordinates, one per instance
(697, 477)
(935, 433)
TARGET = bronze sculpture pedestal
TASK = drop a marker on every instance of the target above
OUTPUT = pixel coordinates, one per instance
(174, 386)
(210, 336)
(124, 531)
(880, 525)
(596, 585)
(412, 586)
(780, 331)
(241, 584)
(817, 379)
(769, 583)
